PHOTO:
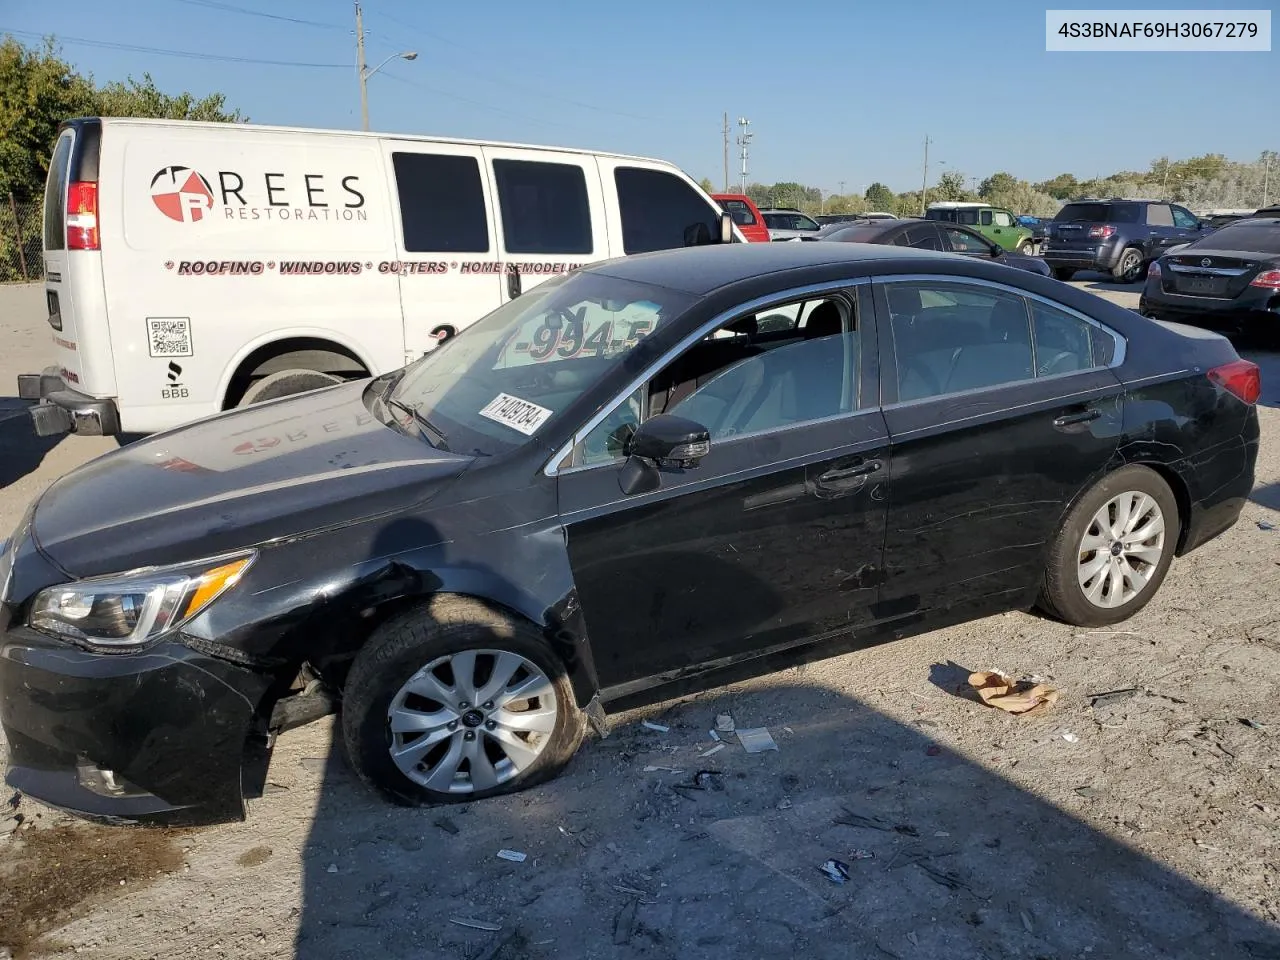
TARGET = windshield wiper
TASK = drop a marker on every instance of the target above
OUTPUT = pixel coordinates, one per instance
(440, 440)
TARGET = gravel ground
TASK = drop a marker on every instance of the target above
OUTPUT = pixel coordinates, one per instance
(1150, 831)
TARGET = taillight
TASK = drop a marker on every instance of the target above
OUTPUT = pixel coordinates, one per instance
(1101, 233)
(82, 216)
(1153, 270)
(1269, 280)
(1240, 378)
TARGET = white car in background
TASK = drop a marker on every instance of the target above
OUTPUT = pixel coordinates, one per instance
(789, 224)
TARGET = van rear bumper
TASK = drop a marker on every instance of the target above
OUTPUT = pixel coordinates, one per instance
(62, 410)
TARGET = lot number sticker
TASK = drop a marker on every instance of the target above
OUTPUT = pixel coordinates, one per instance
(516, 413)
(169, 336)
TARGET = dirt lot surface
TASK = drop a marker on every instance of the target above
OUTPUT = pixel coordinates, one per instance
(1141, 824)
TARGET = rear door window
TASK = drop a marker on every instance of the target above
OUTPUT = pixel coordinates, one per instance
(441, 203)
(55, 194)
(544, 207)
(986, 218)
(660, 211)
(1159, 215)
(923, 237)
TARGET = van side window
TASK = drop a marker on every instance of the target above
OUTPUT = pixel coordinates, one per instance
(544, 207)
(55, 196)
(659, 210)
(441, 203)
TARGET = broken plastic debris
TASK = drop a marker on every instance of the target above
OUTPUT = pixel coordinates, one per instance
(785, 804)
(716, 749)
(1252, 724)
(475, 924)
(653, 769)
(331, 868)
(1000, 690)
(863, 855)
(724, 723)
(655, 726)
(836, 871)
(515, 856)
(1070, 737)
(1264, 525)
(756, 740)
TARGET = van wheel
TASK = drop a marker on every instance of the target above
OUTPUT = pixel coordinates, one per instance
(454, 702)
(286, 383)
(1113, 550)
(1063, 273)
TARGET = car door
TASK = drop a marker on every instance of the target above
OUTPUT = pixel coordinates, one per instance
(1004, 229)
(774, 540)
(1161, 229)
(1186, 225)
(550, 213)
(1001, 407)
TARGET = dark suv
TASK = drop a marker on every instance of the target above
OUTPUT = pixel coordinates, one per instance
(1115, 236)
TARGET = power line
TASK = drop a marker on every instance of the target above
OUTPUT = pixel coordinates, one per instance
(187, 54)
(522, 85)
(229, 8)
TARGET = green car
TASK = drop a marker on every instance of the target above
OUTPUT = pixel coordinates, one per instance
(995, 223)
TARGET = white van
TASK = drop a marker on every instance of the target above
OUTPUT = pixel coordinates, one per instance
(195, 267)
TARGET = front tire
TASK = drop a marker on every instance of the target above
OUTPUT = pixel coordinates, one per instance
(454, 702)
(1024, 249)
(1113, 550)
(286, 383)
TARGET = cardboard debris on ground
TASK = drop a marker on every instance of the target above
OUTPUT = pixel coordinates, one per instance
(1013, 696)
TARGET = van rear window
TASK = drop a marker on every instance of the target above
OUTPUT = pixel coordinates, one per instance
(441, 203)
(55, 195)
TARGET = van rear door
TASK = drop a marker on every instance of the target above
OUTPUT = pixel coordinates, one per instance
(73, 263)
(446, 239)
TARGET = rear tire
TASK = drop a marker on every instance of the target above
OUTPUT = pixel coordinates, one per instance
(286, 383)
(1063, 273)
(1095, 578)
(1128, 268)
(419, 672)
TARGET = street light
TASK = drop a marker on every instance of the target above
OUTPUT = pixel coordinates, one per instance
(366, 73)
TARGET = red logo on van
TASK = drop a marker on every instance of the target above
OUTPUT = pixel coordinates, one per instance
(181, 194)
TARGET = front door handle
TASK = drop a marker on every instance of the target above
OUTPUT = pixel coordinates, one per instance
(853, 470)
(1081, 416)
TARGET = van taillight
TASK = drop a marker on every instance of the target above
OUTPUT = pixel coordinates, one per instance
(1240, 378)
(82, 216)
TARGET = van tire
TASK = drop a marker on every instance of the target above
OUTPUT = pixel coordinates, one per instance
(286, 383)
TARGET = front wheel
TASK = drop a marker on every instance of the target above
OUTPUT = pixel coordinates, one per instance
(454, 702)
(1025, 249)
(286, 383)
(1113, 550)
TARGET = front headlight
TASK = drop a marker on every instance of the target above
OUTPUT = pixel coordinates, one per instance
(130, 609)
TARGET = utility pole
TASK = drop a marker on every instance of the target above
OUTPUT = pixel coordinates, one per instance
(924, 183)
(724, 130)
(364, 87)
(1266, 178)
(744, 140)
(842, 188)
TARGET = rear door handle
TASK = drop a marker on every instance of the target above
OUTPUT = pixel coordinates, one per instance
(853, 470)
(1082, 416)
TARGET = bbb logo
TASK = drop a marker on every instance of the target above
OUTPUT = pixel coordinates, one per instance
(181, 194)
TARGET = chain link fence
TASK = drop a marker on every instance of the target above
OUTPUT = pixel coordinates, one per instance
(21, 241)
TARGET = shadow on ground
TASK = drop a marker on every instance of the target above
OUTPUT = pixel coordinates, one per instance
(21, 451)
(946, 858)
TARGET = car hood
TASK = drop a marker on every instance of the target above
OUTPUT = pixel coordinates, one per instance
(280, 469)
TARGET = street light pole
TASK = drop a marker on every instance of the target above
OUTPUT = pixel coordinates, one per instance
(364, 72)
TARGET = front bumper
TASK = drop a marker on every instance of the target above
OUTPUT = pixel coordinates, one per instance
(62, 410)
(157, 736)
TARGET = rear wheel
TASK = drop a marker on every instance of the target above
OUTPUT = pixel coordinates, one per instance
(286, 383)
(1063, 273)
(1113, 550)
(455, 702)
(1128, 268)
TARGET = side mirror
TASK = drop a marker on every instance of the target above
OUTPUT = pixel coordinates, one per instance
(513, 284)
(664, 442)
(997, 252)
(726, 228)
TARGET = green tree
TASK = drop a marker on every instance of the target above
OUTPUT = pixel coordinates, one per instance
(879, 197)
(996, 184)
(135, 98)
(950, 186)
(1063, 187)
(707, 186)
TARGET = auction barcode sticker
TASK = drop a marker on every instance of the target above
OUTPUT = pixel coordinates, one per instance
(1137, 31)
(516, 413)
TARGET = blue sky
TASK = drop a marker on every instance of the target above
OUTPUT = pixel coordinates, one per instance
(836, 91)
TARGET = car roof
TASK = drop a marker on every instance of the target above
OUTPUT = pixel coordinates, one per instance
(700, 270)
(956, 204)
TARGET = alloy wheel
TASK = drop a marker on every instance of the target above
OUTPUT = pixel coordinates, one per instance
(471, 721)
(1131, 265)
(1121, 549)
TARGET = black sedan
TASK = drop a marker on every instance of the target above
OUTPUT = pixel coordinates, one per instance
(1229, 280)
(930, 235)
(613, 488)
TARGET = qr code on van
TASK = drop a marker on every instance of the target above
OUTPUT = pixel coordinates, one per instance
(169, 336)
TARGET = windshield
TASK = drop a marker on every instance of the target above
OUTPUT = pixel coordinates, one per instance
(498, 382)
